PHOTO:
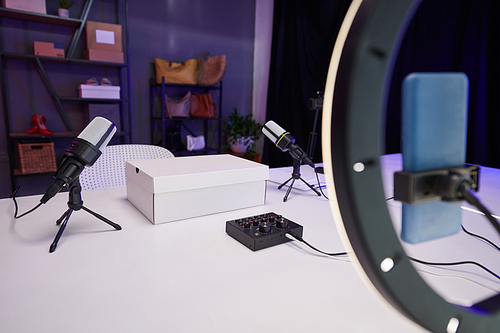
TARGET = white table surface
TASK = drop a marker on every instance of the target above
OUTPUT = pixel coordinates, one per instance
(184, 276)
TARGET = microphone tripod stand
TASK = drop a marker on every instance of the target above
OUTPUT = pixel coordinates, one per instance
(75, 203)
(295, 176)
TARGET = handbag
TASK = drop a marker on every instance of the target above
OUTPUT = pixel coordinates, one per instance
(173, 72)
(178, 107)
(202, 106)
(210, 70)
(195, 142)
(173, 141)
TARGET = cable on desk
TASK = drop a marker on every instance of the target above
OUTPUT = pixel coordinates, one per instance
(465, 191)
(292, 235)
(481, 238)
(319, 184)
(467, 262)
(13, 196)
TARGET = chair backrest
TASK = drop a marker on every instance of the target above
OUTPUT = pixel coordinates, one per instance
(109, 169)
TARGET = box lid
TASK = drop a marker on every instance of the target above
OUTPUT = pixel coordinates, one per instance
(100, 88)
(193, 172)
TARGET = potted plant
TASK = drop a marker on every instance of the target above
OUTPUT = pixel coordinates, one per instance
(241, 132)
(64, 6)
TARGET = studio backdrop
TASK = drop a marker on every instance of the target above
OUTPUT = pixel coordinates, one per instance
(304, 34)
(445, 35)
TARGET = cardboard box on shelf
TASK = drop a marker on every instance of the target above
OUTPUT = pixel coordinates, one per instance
(48, 49)
(171, 189)
(100, 55)
(90, 91)
(104, 36)
(37, 6)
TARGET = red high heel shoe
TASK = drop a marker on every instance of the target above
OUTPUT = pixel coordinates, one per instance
(38, 125)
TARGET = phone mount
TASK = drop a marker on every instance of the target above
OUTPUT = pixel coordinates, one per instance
(75, 203)
(293, 178)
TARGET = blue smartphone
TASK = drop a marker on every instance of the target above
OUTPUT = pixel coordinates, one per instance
(433, 134)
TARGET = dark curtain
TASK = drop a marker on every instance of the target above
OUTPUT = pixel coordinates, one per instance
(455, 36)
(304, 34)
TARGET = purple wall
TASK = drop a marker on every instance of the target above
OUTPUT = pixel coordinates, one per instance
(167, 29)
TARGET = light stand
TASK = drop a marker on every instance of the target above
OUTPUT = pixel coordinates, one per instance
(316, 105)
(75, 203)
(295, 176)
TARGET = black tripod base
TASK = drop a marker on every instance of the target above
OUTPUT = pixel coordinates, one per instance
(295, 176)
(75, 203)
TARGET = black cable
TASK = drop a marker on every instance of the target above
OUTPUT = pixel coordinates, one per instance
(300, 239)
(467, 262)
(389, 198)
(319, 184)
(13, 196)
(481, 238)
(466, 192)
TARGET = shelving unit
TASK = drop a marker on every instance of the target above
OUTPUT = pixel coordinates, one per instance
(159, 117)
(60, 101)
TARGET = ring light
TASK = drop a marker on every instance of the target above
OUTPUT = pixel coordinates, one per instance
(363, 56)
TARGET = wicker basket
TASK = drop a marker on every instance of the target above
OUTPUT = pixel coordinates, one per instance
(36, 157)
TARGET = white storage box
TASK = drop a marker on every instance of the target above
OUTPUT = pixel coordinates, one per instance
(178, 188)
(90, 91)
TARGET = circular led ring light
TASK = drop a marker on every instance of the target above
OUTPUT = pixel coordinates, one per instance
(361, 59)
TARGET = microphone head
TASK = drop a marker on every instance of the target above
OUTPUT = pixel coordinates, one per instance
(273, 131)
(98, 133)
(281, 138)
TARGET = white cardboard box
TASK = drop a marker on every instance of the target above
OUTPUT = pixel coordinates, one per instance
(91, 91)
(171, 189)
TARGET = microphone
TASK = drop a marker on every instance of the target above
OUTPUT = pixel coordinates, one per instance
(83, 151)
(285, 141)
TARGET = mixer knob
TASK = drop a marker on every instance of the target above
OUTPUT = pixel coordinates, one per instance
(265, 228)
(281, 223)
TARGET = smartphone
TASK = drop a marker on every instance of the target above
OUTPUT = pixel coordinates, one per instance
(433, 134)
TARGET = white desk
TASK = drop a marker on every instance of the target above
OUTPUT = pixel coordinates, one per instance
(185, 276)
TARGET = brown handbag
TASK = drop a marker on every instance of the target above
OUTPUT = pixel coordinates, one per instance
(202, 106)
(173, 72)
(210, 70)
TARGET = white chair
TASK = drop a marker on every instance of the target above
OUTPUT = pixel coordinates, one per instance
(109, 169)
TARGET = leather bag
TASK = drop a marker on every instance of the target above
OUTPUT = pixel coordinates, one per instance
(210, 70)
(173, 72)
(202, 106)
(178, 107)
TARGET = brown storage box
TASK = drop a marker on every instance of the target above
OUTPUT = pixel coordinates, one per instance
(37, 6)
(100, 55)
(36, 157)
(47, 49)
(104, 36)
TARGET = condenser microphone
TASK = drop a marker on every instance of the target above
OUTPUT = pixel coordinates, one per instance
(83, 151)
(285, 141)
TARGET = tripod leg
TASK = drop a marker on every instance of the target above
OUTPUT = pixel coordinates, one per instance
(63, 216)
(279, 187)
(312, 188)
(61, 230)
(285, 198)
(102, 218)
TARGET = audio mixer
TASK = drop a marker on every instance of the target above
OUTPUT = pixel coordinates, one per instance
(262, 231)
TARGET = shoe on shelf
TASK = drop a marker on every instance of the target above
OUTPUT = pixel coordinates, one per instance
(92, 82)
(39, 124)
(105, 82)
